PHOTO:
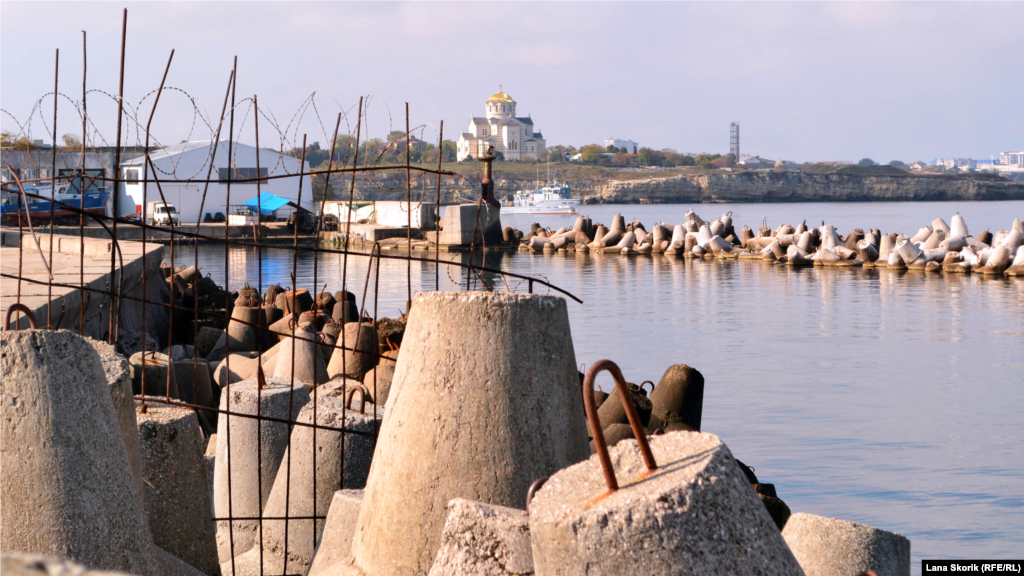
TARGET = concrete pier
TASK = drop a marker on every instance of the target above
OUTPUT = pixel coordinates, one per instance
(64, 302)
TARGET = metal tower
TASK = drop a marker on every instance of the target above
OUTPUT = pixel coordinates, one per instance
(734, 140)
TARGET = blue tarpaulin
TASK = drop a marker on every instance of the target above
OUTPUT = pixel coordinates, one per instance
(267, 203)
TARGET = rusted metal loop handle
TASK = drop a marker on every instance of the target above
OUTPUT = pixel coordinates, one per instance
(647, 382)
(534, 488)
(595, 424)
(19, 307)
(362, 399)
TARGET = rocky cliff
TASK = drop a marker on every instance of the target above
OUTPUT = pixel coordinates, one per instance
(821, 184)
(843, 185)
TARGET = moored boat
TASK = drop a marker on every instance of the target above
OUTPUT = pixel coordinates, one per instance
(13, 209)
(552, 199)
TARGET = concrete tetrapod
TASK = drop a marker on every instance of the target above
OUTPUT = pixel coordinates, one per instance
(16, 564)
(149, 369)
(827, 546)
(475, 411)
(678, 397)
(378, 383)
(119, 380)
(694, 513)
(302, 353)
(341, 461)
(483, 540)
(335, 541)
(257, 448)
(68, 489)
(361, 354)
(177, 493)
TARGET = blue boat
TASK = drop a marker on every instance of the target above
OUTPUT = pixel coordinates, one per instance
(94, 200)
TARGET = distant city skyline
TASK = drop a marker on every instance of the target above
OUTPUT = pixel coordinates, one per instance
(806, 81)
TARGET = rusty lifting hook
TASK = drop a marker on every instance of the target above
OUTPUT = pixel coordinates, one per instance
(19, 307)
(595, 425)
(362, 399)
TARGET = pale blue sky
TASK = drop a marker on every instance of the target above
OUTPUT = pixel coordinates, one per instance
(806, 81)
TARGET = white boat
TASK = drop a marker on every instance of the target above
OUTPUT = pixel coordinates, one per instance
(553, 199)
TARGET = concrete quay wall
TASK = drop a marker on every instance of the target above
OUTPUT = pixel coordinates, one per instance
(87, 260)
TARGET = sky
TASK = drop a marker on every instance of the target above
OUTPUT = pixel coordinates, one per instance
(806, 81)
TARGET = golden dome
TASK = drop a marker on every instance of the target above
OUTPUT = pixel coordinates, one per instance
(501, 96)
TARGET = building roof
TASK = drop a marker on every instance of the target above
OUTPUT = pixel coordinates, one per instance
(167, 152)
(476, 120)
(501, 96)
(538, 135)
(526, 120)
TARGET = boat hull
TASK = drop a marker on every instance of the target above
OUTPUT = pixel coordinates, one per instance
(537, 210)
(95, 203)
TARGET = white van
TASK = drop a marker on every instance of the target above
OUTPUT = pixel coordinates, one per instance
(160, 214)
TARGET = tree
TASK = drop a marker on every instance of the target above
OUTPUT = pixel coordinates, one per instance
(730, 160)
(704, 160)
(611, 148)
(898, 164)
(650, 157)
(71, 142)
(867, 162)
(557, 152)
(591, 152)
(449, 151)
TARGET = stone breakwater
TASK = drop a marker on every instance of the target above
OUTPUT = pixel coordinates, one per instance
(937, 247)
(480, 458)
(779, 186)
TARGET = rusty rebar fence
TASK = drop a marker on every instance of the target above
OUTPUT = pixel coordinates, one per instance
(192, 303)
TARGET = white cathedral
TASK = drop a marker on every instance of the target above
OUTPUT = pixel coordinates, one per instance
(514, 137)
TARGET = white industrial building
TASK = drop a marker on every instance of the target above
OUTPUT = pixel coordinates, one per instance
(188, 164)
(630, 146)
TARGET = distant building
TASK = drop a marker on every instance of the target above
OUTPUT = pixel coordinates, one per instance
(190, 161)
(958, 163)
(754, 161)
(515, 137)
(1012, 159)
(918, 166)
(630, 146)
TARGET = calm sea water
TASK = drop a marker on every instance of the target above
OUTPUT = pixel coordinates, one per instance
(890, 398)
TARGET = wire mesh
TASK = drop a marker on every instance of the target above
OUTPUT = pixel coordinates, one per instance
(190, 303)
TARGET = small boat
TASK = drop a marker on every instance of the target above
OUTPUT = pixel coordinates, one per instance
(94, 200)
(552, 199)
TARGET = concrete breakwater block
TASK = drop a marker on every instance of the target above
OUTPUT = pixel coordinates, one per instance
(485, 400)
(335, 541)
(68, 489)
(255, 452)
(17, 564)
(484, 540)
(362, 353)
(695, 514)
(678, 398)
(176, 493)
(149, 369)
(341, 461)
(119, 380)
(378, 382)
(826, 546)
(300, 357)
(243, 367)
